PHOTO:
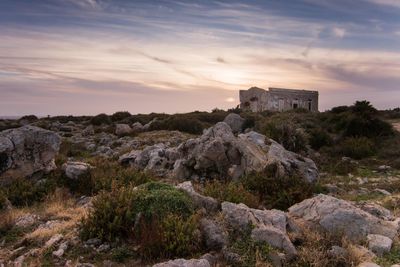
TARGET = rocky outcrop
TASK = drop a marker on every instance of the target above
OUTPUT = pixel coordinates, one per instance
(235, 122)
(341, 217)
(219, 153)
(268, 225)
(27, 150)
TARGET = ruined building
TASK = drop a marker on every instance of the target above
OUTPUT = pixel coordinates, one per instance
(278, 99)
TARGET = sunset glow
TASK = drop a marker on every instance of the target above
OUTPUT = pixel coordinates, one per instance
(92, 56)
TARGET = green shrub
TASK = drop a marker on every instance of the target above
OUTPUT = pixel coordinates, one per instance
(278, 192)
(120, 115)
(105, 175)
(3, 200)
(252, 253)
(178, 123)
(288, 134)
(100, 119)
(114, 213)
(231, 192)
(320, 138)
(169, 236)
(25, 192)
(368, 127)
(357, 147)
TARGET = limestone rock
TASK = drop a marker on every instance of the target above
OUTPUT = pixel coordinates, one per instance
(200, 201)
(219, 153)
(235, 122)
(269, 225)
(339, 216)
(214, 236)
(184, 263)
(54, 240)
(75, 169)
(27, 220)
(122, 129)
(137, 127)
(16, 160)
(379, 244)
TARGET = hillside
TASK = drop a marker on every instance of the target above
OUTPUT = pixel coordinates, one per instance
(226, 188)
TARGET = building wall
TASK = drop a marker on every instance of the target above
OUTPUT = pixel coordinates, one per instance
(278, 99)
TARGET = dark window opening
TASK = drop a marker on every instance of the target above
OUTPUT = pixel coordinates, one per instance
(309, 105)
(295, 105)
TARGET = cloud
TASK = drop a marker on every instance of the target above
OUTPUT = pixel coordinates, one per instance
(339, 32)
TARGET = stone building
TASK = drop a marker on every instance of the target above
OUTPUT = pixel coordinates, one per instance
(278, 99)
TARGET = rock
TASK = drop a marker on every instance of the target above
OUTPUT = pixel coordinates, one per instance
(93, 242)
(184, 263)
(122, 129)
(379, 244)
(382, 192)
(338, 252)
(384, 168)
(103, 248)
(212, 259)
(218, 153)
(75, 169)
(54, 240)
(376, 210)
(339, 216)
(18, 161)
(88, 131)
(239, 216)
(231, 257)
(214, 236)
(137, 127)
(368, 264)
(235, 122)
(61, 250)
(27, 220)
(19, 262)
(274, 237)
(200, 201)
(269, 225)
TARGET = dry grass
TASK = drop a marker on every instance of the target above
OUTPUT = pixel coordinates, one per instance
(314, 247)
(60, 207)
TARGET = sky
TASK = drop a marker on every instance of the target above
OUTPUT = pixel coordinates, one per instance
(84, 57)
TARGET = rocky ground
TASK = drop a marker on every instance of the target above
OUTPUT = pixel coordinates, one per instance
(351, 219)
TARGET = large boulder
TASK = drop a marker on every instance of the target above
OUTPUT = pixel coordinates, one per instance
(27, 150)
(219, 153)
(200, 201)
(235, 122)
(341, 217)
(267, 225)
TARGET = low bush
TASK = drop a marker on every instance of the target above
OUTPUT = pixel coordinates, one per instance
(105, 175)
(320, 138)
(178, 123)
(288, 134)
(357, 147)
(170, 236)
(120, 115)
(24, 192)
(232, 192)
(278, 192)
(100, 119)
(114, 213)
